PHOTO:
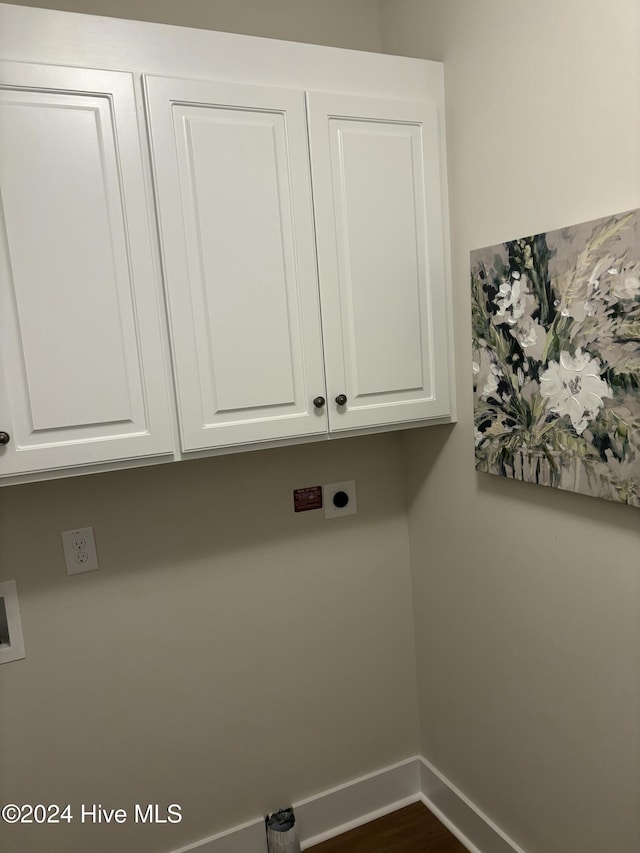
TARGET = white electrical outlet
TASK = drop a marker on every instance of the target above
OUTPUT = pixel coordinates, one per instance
(80, 550)
(340, 499)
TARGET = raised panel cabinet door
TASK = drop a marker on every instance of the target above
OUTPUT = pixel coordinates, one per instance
(377, 187)
(234, 198)
(82, 377)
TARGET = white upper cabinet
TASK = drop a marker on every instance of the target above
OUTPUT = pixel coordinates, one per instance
(378, 208)
(218, 242)
(234, 199)
(232, 171)
(82, 378)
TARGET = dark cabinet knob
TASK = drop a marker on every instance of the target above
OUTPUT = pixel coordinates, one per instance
(5, 438)
(341, 399)
(319, 402)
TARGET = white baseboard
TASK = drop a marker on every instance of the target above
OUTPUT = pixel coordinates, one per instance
(473, 828)
(357, 802)
(347, 806)
(247, 838)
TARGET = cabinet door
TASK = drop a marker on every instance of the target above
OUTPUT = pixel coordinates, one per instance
(377, 187)
(233, 189)
(82, 379)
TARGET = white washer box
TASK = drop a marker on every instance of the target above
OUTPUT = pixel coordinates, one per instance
(11, 641)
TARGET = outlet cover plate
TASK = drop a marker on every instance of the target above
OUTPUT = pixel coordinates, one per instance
(331, 489)
(80, 550)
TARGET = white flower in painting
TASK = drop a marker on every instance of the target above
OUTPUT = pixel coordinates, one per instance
(621, 281)
(528, 337)
(574, 387)
(626, 286)
(531, 336)
(491, 385)
(486, 373)
(513, 300)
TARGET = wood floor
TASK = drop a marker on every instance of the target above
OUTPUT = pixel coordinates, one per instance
(410, 830)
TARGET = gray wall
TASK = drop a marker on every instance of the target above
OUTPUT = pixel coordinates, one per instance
(230, 656)
(353, 24)
(527, 600)
(152, 679)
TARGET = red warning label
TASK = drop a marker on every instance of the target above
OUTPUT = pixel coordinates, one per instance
(309, 498)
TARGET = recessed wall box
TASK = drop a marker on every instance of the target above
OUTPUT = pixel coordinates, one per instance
(340, 499)
(11, 641)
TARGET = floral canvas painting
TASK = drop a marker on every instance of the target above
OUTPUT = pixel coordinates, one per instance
(556, 358)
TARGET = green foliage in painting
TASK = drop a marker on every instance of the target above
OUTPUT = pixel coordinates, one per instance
(556, 358)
